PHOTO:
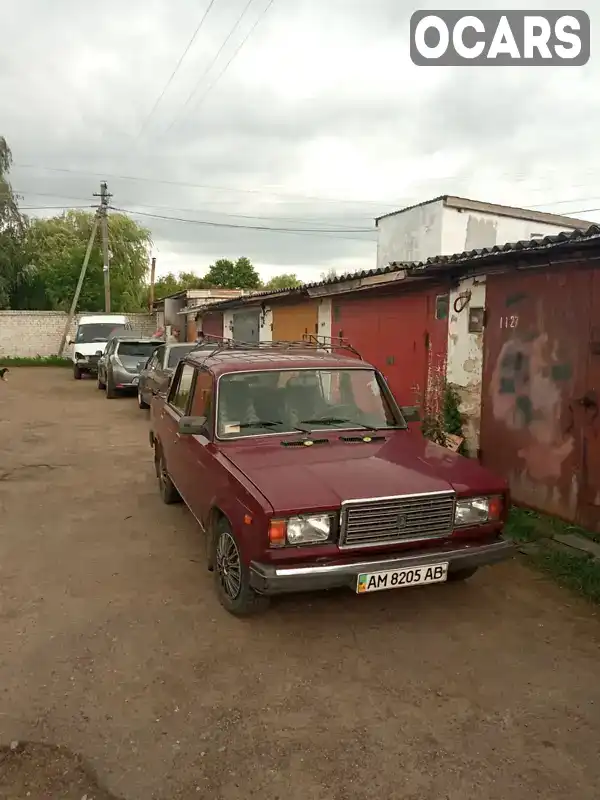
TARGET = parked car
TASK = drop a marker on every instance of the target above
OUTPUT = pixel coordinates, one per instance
(301, 469)
(91, 338)
(157, 372)
(120, 364)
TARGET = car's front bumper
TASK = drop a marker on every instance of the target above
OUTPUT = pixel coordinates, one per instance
(87, 364)
(271, 579)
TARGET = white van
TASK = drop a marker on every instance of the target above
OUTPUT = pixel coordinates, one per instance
(91, 337)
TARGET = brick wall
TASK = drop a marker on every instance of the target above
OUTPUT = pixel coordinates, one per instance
(27, 334)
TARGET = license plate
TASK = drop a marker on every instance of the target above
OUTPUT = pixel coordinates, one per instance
(401, 578)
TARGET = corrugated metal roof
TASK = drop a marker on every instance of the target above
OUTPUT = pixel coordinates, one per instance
(464, 203)
(435, 264)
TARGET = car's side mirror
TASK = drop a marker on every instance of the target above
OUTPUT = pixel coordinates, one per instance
(411, 413)
(70, 341)
(99, 353)
(193, 426)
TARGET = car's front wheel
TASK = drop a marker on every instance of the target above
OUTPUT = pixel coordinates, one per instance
(232, 576)
(77, 373)
(461, 574)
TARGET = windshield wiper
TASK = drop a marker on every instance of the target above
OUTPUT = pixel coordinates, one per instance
(338, 421)
(268, 423)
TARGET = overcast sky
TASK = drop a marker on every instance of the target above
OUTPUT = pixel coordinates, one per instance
(319, 122)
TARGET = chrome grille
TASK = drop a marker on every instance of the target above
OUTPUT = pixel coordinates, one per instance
(388, 520)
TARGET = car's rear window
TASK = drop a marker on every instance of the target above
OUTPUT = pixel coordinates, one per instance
(177, 353)
(141, 349)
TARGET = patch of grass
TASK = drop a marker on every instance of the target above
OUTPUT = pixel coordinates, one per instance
(35, 361)
(578, 572)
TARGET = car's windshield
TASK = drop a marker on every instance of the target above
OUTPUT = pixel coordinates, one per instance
(137, 349)
(251, 403)
(177, 353)
(95, 332)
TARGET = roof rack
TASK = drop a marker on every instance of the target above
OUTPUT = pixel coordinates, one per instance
(309, 342)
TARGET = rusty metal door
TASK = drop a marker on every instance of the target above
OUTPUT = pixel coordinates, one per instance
(536, 347)
(586, 409)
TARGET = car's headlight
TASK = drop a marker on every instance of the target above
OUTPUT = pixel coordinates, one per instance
(309, 529)
(79, 357)
(477, 511)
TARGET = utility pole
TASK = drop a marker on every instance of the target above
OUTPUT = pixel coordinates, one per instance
(103, 213)
(84, 267)
(152, 278)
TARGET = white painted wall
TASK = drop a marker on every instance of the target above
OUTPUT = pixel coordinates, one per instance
(265, 332)
(228, 324)
(434, 229)
(464, 366)
(471, 230)
(324, 316)
(413, 235)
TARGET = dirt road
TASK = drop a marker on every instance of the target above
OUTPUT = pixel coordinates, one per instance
(112, 644)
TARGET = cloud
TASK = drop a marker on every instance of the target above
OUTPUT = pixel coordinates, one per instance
(321, 121)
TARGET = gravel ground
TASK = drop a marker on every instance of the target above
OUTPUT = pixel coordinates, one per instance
(116, 660)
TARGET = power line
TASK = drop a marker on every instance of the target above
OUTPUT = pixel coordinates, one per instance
(47, 208)
(175, 71)
(273, 218)
(243, 42)
(210, 66)
(188, 185)
(299, 231)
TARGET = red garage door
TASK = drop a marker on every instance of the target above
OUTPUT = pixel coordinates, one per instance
(404, 335)
(212, 324)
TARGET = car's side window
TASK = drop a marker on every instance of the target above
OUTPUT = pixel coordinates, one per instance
(157, 360)
(203, 395)
(180, 388)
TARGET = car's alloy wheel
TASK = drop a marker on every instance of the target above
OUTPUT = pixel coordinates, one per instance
(231, 575)
(229, 566)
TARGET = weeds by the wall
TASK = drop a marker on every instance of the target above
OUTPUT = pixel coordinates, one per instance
(534, 535)
(448, 419)
(35, 361)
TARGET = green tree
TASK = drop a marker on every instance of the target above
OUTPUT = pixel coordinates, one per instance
(171, 284)
(55, 249)
(14, 278)
(286, 280)
(227, 274)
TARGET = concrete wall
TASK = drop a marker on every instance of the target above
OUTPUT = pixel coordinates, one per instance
(28, 334)
(469, 230)
(413, 235)
(464, 366)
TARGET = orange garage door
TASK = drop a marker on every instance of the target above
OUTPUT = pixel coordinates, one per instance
(291, 323)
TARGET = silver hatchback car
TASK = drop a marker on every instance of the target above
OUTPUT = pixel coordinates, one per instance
(123, 359)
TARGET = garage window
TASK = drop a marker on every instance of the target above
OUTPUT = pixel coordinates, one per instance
(442, 306)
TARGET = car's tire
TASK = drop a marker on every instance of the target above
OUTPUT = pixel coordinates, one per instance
(167, 489)
(141, 402)
(461, 575)
(232, 576)
(111, 392)
(99, 383)
(77, 373)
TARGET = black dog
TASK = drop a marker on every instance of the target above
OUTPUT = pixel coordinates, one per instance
(3, 371)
